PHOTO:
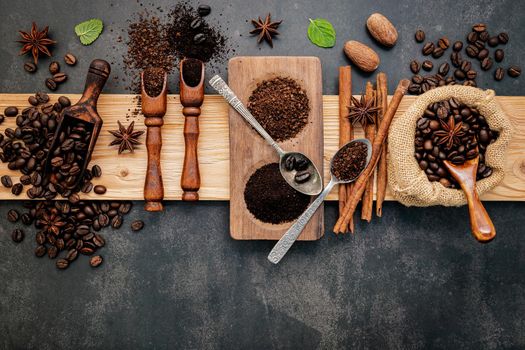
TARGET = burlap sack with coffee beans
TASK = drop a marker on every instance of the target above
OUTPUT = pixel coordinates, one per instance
(409, 184)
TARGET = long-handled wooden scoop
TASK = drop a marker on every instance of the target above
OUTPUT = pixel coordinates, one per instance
(191, 98)
(480, 224)
(85, 110)
(154, 109)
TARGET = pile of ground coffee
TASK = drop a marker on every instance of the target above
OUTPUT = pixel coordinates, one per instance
(350, 161)
(281, 106)
(270, 199)
(192, 72)
(153, 81)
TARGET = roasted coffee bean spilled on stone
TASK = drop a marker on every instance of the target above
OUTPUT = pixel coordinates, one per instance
(137, 225)
(30, 67)
(514, 71)
(450, 130)
(17, 235)
(270, 199)
(51, 84)
(13, 215)
(54, 67)
(204, 10)
(70, 59)
(499, 74)
(427, 65)
(415, 66)
(95, 261)
(419, 36)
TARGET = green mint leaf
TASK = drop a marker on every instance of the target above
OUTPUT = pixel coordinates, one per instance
(89, 31)
(321, 32)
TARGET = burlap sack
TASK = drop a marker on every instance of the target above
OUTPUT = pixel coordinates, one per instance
(408, 182)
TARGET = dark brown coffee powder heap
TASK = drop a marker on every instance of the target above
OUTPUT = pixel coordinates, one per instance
(153, 81)
(192, 72)
(270, 199)
(350, 161)
(281, 106)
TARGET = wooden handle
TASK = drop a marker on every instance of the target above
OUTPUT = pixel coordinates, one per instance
(153, 187)
(96, 78)
(190, 181)
(480, 224)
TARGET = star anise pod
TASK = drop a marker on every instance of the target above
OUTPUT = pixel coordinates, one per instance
(51, 222)
(36, 42)
(126, 138)
(266, 29)
(450, 132)
(362, 111)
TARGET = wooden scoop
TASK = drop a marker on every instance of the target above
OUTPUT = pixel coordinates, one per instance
(154, 109)
(84, 110)
(191, 98)
(480, 224)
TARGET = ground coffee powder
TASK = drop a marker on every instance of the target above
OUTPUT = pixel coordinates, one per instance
(153, 81)
(350, 161)
(270, 199)
(281, 106)
(192, 72)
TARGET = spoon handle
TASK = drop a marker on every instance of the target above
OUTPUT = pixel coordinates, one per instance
(223, 89)
(287, 240)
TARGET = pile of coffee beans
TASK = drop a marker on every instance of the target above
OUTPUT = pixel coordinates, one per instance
(350, 161)
(450, 130)
(463, 71)
(57, 76)
(270, 199)
(67, 229)
(26, 147)
(281, 106)
(299, 164)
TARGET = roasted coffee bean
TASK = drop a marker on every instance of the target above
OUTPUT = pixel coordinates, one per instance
(103, 220)
(40, 238)
(116, 222)
(414, 89)
(493, 42)
(499, 55)
(428, 48)
(62, 264)
(438, 52)
(86, 250)
(51, 84)
(26, 219)
(458, 45)
(199, 38)
(54, 67)
(444, 43)
(196, 23)
(472, 51)
(11, 111)
(499, 73)
(503, 38)
(486, 64)
(72, 255)
(302, 176)
(289, 163)
(514, 71)
(74, 198)
(137, 225)
(417, 79)
(99, 241)
(484, 36)
(203, 10)
(40, 251)
(52, 252)
(472, 37)
(95, 261)
(124, 208)
(60, 78)
(96, 171)
(30, 67)
(415, 67)
(479, 44)
(13, 215)
(482, 54)
(6, 181)
(64, 101)
(479, 27)
(82, 230)
(17, 189)
(456, 59)
(100, 189)
(471, 74)
(70, 59)
(427, 65)
(17, 235)
(459, 74)
(443, 69)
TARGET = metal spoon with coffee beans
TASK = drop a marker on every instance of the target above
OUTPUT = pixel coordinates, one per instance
(296, 168)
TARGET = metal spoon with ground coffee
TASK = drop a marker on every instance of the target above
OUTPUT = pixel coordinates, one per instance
(345, 167)
(296, 168)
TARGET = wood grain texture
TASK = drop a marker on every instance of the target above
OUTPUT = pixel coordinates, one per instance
(249, 151)
(124, 175)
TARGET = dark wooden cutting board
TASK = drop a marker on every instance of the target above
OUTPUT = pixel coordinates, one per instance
(248, 151)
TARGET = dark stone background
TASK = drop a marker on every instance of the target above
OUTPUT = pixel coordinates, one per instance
(413, 279)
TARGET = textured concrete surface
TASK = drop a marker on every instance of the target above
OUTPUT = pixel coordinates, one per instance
(413, 279)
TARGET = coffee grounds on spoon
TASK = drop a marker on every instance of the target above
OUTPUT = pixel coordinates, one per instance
(192, 72)
(350, 161)
(271, 199)
(153, 81)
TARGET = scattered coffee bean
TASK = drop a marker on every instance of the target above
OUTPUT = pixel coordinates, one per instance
(444, 43)
(95, 261)
(6, 181)
(64, 101)
(59, 78)
(427, 65)
(204, 10)
(428, 48)
(444, 69)
(62, 264)
(484, 36)
(54, 67)
(499, 73)
(137, 225)
(13, 215)
(30, 67)
(472, 37)
(486, 64)
(17, 235)
(199, 38)
(51, 84)
(100, 189)
(17, 189)
(482, 54)
(503, 38)
(11, 111)
(458, 45)
(472, 51)
(415, 67)
(40, 251)
(514, 71)
(438, 52)
(493, 42)
(70, 59)
(479, 27)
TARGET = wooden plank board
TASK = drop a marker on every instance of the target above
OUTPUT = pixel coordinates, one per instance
(124, 174)
(249, 151)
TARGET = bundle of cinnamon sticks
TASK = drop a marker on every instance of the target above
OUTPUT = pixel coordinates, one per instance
(375, 174)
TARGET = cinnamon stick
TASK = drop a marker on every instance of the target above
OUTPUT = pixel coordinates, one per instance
(370, 132)
(382, 102)
(346, 131)
(360, 184)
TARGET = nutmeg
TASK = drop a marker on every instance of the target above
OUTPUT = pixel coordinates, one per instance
(362, 56)
(382, 29)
